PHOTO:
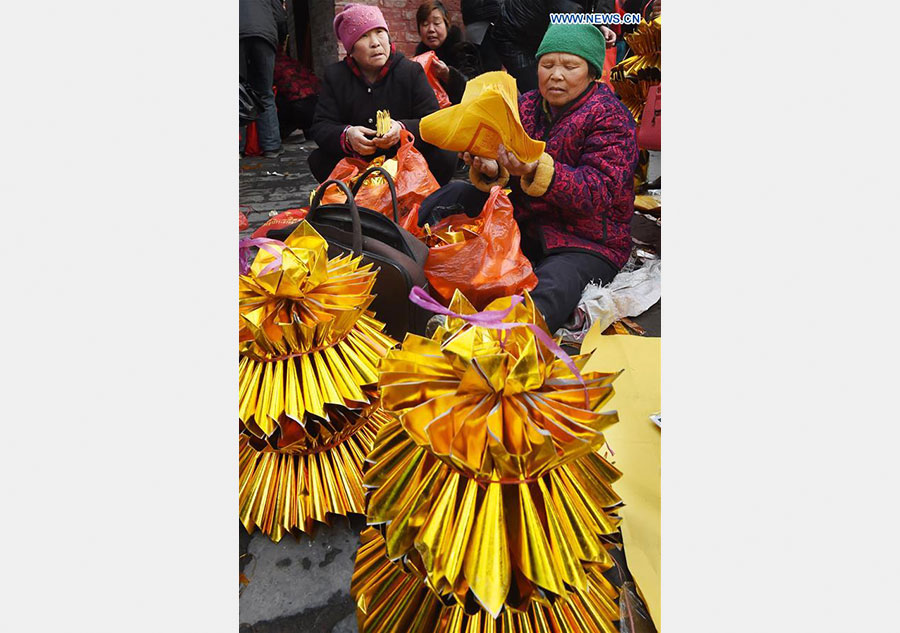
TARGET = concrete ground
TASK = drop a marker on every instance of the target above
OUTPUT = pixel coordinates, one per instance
(303, 586)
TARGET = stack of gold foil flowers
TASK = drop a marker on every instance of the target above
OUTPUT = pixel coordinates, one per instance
(633, 76)
(308, 406)
(493, 509)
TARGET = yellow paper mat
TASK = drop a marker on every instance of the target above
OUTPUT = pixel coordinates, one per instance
(636, 442)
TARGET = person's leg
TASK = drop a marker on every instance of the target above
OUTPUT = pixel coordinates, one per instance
(454, 197)
(260, 70)
(441, 162)
(561, 280)
(321, 164)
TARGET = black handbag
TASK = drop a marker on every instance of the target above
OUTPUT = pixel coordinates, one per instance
(250, 104)
(397, 254)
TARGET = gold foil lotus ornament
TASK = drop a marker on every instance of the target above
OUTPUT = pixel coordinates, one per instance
(489, 482)
(306, 340)
(308, 404)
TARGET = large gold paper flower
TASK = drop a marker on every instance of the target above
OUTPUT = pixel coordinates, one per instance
(490, 477)
(391, 597)
(307, 343)
(494, 403)
(308, 403)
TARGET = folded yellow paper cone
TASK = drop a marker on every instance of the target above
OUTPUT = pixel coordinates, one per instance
(487, 116)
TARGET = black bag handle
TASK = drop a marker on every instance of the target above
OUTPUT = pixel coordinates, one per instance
(390, 181)
(351, 205)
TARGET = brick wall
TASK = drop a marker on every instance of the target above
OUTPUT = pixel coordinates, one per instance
(400, 16)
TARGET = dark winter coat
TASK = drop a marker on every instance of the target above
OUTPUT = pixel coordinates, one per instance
(262, 18)
(480, 10)
(346, 98)
(589, 202)
(461, 58)
(524, 22)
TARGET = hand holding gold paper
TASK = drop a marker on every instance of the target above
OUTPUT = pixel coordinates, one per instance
(487, 116)
(382, 122)
(491, 478)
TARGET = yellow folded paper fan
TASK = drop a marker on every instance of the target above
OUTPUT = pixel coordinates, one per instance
(487, 116)
(308, 404)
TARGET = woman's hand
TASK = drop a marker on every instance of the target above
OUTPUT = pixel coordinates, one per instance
(358, 138)
(390, 138)
(513, 165)
(487, 166)
(441, 71)
(609, 35)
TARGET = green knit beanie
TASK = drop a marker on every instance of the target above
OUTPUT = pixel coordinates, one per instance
(584, 40)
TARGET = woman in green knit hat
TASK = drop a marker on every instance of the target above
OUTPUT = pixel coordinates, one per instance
(574, 204)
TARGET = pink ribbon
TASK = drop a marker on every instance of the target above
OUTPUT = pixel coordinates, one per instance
(272, 246)
(493, 319)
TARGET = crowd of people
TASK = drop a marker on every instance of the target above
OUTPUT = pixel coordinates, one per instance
(573, 205)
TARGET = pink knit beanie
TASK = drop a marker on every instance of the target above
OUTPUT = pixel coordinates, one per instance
(355, 21)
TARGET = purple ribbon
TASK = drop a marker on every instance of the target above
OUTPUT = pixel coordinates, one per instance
(272, 246)
(493, 319)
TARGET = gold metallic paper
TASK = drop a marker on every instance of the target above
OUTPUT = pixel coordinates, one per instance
(308, 404)
(633, 76)
(490, 478)
(391, 597)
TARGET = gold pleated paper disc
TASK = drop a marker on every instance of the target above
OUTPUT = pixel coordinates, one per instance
(308, 345)
(288, 492)
(491, 473)
(392, 597)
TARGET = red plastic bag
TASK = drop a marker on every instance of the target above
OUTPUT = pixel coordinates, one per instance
(427, 62)
(479, 256)
(251, 147)
(413, 182)
(283, 219)
(608, 62)
(650, 129)
(242, 221)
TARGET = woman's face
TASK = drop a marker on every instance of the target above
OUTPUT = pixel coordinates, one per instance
(371, 50)
(433, 31)
(562, 77)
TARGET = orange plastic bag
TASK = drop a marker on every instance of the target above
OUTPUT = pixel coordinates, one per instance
(479, 256)
(427, 62)
(410, 222)
(413, 181)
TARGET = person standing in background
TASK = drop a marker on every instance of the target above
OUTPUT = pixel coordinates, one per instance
(457, 59)
(521, 28)
(261, 25)
(479, 17)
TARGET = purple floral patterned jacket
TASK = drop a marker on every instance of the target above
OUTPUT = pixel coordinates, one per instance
(588, 200)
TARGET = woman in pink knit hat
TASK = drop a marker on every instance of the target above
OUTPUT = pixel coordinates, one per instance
(374, 76)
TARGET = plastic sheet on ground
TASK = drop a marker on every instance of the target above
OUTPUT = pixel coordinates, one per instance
(630, 294)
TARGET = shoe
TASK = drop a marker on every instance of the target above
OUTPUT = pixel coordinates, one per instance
(274, 153)
(438, 320)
